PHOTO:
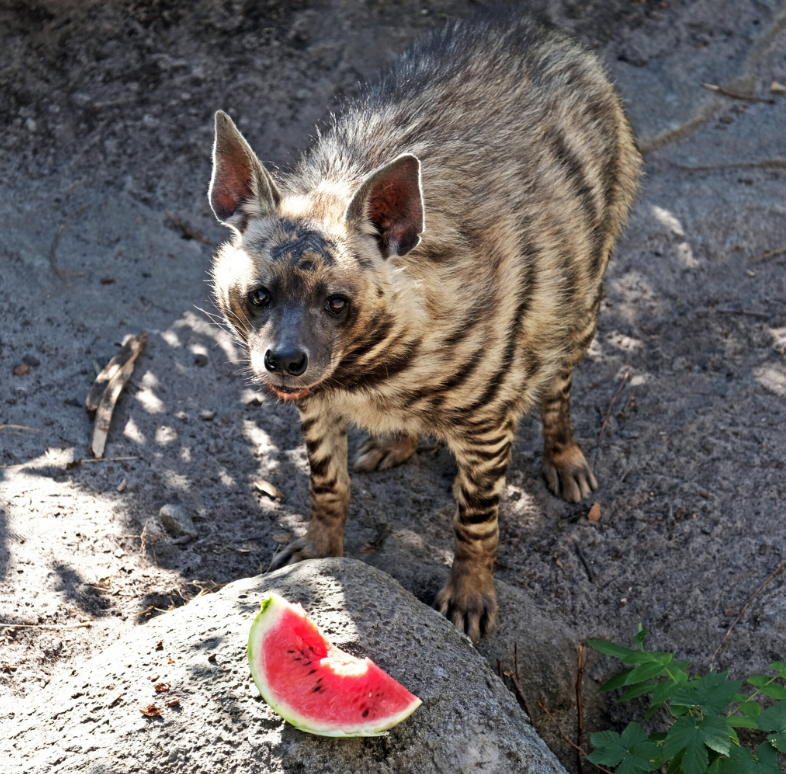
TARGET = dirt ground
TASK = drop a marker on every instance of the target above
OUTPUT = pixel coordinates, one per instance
(106, 111)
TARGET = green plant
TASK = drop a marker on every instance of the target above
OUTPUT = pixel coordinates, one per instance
(703, 712)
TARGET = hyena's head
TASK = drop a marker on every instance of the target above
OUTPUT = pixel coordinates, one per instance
(304, 282)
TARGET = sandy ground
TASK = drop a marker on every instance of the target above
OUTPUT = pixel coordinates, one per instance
(106, 111)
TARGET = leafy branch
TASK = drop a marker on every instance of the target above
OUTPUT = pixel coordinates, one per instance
(704, 713)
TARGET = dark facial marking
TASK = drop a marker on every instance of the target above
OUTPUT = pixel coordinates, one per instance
(299, 241)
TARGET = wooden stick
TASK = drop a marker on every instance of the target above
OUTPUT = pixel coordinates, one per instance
(129, 351)
(21, 427)
(737, 94)
(611, 405)
(188, 232)
(114, 387)
(580, 731)
(774, 574)
(61, 273)
(47, 626)
(516, 682)
(768, 255)
(574, 746)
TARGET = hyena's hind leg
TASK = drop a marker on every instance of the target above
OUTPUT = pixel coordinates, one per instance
(384, 452)
(565, 469)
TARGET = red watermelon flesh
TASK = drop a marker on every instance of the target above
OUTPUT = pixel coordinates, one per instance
(316, 686)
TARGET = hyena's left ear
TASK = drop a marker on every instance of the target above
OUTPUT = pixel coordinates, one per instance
(240, 187)
(391, 200)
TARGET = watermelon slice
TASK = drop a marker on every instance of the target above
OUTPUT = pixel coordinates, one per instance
(314, 685)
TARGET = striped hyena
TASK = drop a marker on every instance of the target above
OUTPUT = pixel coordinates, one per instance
(434, 264)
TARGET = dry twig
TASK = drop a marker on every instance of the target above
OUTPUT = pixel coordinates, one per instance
(611, 406)
(768, 255)
(737, 94)
(572, 744)
(580, 731)
(84, 625)
(774, 574)
(188, 232)
(61, 273)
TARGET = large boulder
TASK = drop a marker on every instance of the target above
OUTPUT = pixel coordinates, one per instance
(547, 649)
(91, 721)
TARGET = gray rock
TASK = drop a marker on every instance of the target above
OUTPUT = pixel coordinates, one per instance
(546, 646)
(91, 721)
(177, 520)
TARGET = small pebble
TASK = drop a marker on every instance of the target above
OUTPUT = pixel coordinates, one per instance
(200, 359)
(21, 369)
(176, 519)
(31, 360)
(207, 416)
(282, 537)
(121, 487)
(182, 416)
(594, 512)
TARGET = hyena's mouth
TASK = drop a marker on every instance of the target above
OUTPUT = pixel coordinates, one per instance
(287, 393)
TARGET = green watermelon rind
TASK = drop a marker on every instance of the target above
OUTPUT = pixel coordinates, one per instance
(270, 605)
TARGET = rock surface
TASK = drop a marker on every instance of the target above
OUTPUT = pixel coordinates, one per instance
(177, 520)
(91, 722)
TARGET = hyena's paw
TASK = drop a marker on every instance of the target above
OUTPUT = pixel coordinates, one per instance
(468, 600)
(381, 453)
(301, 549)
(568, 475)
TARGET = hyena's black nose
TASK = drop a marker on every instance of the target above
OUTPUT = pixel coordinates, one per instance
(291, 362)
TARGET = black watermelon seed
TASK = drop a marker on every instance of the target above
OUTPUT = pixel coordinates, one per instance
(365, 713)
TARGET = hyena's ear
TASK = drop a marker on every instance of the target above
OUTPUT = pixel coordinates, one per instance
(391, 200)
(241, 187)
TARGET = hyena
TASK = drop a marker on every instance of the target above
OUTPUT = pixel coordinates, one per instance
(434, 265)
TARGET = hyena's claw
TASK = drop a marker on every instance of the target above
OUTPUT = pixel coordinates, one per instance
(295, 552)
(382, 453)
(568, 475)
(468, 601)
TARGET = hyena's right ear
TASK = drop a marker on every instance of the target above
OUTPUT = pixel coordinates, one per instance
(390, 201)
(241, 187)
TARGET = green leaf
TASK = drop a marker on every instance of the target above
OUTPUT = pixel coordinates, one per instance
(768, 759)
(694, 736)
(639, 637)
(739, 721)
(714, 732)
(97, 368)
(712, 693)
(676, 763)
(740, 761)
(645, 672)
(609, 750)
(779, 666)
(665, 690)
(632, 693)
(617, 681)
(610, 648)
(632, 735)
(778, 741)
(774, 691)
(759, 680)
(750, 708)
(773, 718)
(647, 656)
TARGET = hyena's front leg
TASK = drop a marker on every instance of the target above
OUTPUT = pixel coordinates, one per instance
(468, 599)
(565, 469)
(326, 441)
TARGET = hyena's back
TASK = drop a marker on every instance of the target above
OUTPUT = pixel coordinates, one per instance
(529, 168)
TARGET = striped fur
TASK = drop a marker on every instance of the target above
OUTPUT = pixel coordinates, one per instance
(512, 146)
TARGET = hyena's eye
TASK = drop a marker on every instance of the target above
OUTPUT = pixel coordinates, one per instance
(259, 297)
(337, 304)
